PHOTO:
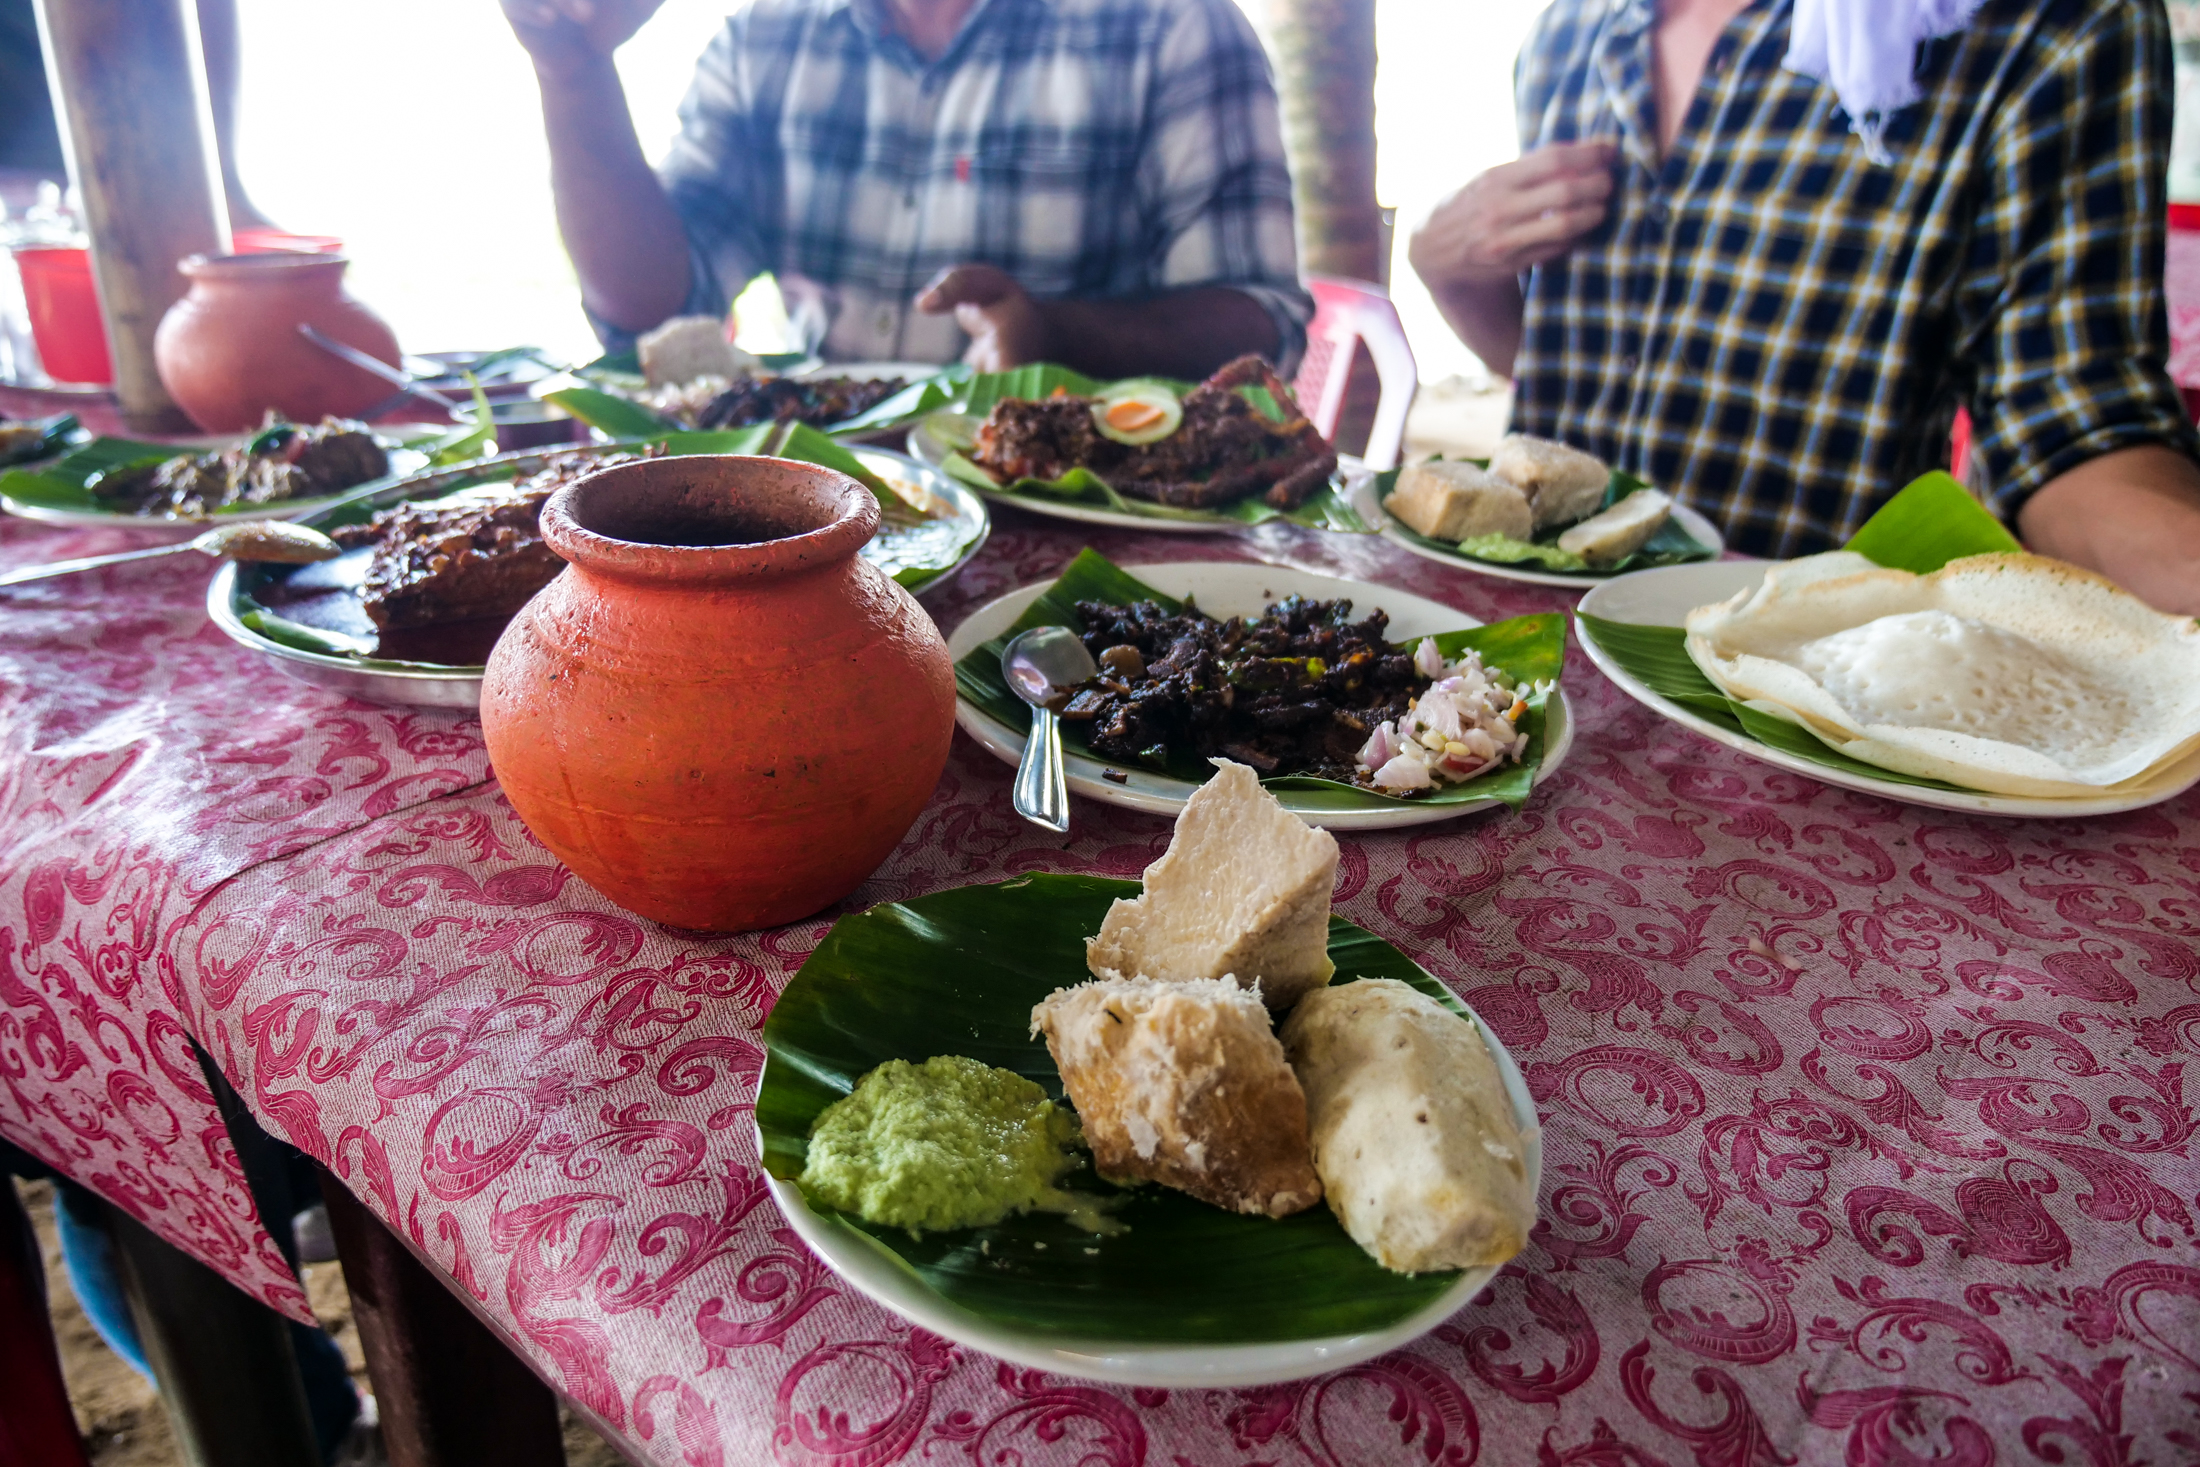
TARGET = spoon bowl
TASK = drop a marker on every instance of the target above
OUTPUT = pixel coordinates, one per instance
(1041, 665)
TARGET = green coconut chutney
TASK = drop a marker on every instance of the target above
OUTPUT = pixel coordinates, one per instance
(950, 1143)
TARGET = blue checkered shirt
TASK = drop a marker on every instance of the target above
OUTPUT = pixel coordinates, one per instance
(1780, 330)
(1090, 148)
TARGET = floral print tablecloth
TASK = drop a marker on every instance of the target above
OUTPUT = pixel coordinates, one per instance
(1867, 1130)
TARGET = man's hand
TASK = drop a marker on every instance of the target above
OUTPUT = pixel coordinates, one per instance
(1006, 327)
(1472, 249)
(1516, 215)
(564, 36)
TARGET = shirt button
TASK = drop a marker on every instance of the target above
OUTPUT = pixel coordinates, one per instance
(886, 323)
(1660, 213)
(1629, 362)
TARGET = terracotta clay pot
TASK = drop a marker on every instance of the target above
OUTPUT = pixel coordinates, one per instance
(230, 349)
(718, 714)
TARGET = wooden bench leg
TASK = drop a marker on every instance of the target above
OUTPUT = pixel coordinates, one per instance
(37, 1428)
(451, 1394)
(223, 1360)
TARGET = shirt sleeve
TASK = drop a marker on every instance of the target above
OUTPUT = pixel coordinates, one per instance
(2060, 309)
(1217, 186)
(709, 177)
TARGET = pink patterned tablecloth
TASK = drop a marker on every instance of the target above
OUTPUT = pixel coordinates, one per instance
(1867, 1130)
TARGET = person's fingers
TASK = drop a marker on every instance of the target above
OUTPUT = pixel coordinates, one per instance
(1569, 192)
(961, 285)
(1560, 228)
(1553, 159)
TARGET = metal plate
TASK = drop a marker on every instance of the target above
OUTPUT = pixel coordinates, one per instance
(436, 685)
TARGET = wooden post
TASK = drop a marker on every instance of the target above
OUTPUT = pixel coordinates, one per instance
(37, 1428)
(451, 1393)
(131, 85)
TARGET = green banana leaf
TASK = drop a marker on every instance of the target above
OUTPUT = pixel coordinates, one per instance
(60, 433)
(1527, 649)
(958, 972)
(611, 406)
(1932, 521)
(1330, 509)
(1671, 545)
(621, 417)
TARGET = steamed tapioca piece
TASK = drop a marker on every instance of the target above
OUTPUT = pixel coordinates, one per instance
(1457, 501)
(2007, 673)
(1608, 537)
(1183, 1084)
(1243, 890)
(1562, 484)
(1420, 1152)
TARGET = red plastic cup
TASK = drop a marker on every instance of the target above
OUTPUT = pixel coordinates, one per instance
(271, 241)
(64, 311)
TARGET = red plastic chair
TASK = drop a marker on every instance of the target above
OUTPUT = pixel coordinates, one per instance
(1346, 312)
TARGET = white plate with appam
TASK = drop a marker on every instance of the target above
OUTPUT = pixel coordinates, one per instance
(1665, 597)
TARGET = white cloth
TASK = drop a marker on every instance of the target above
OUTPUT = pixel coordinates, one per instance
(1867, 51)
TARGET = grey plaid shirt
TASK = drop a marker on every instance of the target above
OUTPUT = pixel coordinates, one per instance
(1090, 148)
(1780, 331)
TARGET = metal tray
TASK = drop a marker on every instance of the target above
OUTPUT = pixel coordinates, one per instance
(450, 685)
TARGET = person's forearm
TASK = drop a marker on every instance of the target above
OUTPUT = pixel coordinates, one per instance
(626, 243)
(2133, 516)
(1186, 333)
(1487, 316)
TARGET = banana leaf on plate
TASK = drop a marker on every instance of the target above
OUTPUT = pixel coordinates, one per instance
(957, 973)
(1529, 650)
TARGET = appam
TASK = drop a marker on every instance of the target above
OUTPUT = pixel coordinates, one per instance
(2009, 673)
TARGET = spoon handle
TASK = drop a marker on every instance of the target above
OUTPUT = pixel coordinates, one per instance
(90, 562)
(1042, 790)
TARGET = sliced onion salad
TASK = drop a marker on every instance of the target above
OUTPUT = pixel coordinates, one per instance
(1466, 724)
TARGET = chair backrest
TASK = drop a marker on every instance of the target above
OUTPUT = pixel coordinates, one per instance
(1347, 312)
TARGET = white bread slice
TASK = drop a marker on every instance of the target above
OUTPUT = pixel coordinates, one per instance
(1610, 536)
(1456, 501)
(1562, 484)
(1184, 1084)
(1243, 889)
(1419, 1151)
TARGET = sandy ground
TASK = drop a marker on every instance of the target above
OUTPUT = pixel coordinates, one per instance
(120, 1413)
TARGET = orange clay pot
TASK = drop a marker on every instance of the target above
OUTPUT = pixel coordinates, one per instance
(230, 349)
(718, 715)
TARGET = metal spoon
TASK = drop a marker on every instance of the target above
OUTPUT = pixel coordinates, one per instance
(403, 381)
(1040, 665)
(272, 541)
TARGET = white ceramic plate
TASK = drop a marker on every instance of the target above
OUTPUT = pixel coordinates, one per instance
(403, 462)
(1386, 524)
(1227, 589)
(1664, 596)
(877, 1274)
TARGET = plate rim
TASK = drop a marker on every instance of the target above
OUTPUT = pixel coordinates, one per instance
(1369, 504)
(1007, 744)
(893, 1285)
(1962, 802)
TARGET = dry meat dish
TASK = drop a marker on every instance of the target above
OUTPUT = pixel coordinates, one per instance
(283, 461)
(1224, 450)
(477, 553)
(1297, 690)
(713, 402)
(19, 440)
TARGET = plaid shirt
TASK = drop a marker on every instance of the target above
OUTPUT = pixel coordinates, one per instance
(1780, 331)
(1090, 148)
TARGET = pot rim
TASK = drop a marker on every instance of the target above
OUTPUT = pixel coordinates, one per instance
(852, 519)
(284, 265)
